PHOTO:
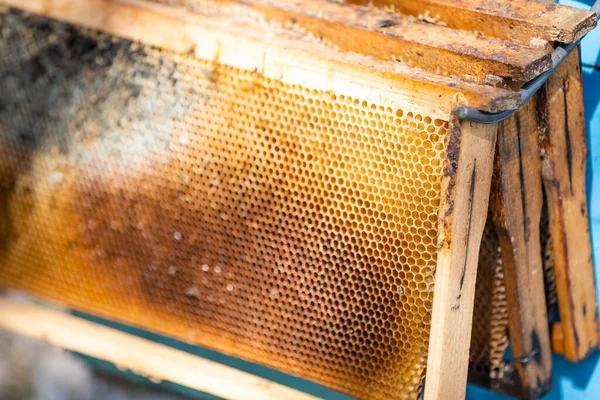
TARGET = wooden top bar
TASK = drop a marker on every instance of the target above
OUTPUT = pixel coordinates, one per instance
(434, 53)
(384, 36)
(277, 53)
(518, 20)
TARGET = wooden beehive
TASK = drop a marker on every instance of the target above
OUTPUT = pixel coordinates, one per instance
(286, 183)
(535, 239)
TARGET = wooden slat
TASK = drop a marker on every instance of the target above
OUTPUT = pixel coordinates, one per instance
(144, 357)
(516, 204)
(299, 62)
(374, 33)
(564, 152)
(518, 20)
(466, 184)
(432, 47)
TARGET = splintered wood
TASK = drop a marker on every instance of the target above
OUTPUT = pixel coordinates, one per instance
(287, 182)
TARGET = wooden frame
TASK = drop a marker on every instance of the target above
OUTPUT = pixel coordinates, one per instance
(385, 36)
(283, 57)
(516, 207)
(552, 22)
(467, 174)
(462, 218)
(469, 163)
(564, 152)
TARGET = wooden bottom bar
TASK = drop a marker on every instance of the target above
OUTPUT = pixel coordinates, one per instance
(143, 357)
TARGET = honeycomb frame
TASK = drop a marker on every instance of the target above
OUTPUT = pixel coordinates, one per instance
(70, 166)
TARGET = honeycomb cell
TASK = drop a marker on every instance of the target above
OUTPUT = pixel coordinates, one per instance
(548, 258)
(287, 226)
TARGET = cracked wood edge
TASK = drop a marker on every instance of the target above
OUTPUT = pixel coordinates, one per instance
(143, 357)
(463, 212)
(518, 21)
(563, 149)
(516, 204)
(291, 61)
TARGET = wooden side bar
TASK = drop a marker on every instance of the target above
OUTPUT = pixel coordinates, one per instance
(463, 212)
(564, 154)
(516, 204)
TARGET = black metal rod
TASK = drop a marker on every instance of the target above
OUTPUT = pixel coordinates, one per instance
(561, 52)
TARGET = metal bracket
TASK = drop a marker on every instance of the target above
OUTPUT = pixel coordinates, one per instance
(528, 90)
(527, 359)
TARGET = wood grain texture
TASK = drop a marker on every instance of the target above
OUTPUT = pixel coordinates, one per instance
(518, 21)
(564, 152)
(466, 182)
(516, 204)
(246, 45)
(384, 36)
(144, 357)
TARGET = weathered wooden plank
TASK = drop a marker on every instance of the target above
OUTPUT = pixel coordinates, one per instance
(375, 33)
(564, 152)
(518, 20)
(466, 184)
(516, 203)
(256, 47)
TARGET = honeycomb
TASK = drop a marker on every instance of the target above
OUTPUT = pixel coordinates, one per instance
(287, 226)
(489, 338)
(548, 258)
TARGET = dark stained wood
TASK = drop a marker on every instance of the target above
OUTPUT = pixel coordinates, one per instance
(463, 212)
(564, 153)
(508, 385)
(186, 32)
(516, 204)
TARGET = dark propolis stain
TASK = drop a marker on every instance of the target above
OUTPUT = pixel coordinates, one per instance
(565, 88)
(452, 152)
(59, 84)
(386, 23)
(536, 347)
(471, 193)
(526, 219)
